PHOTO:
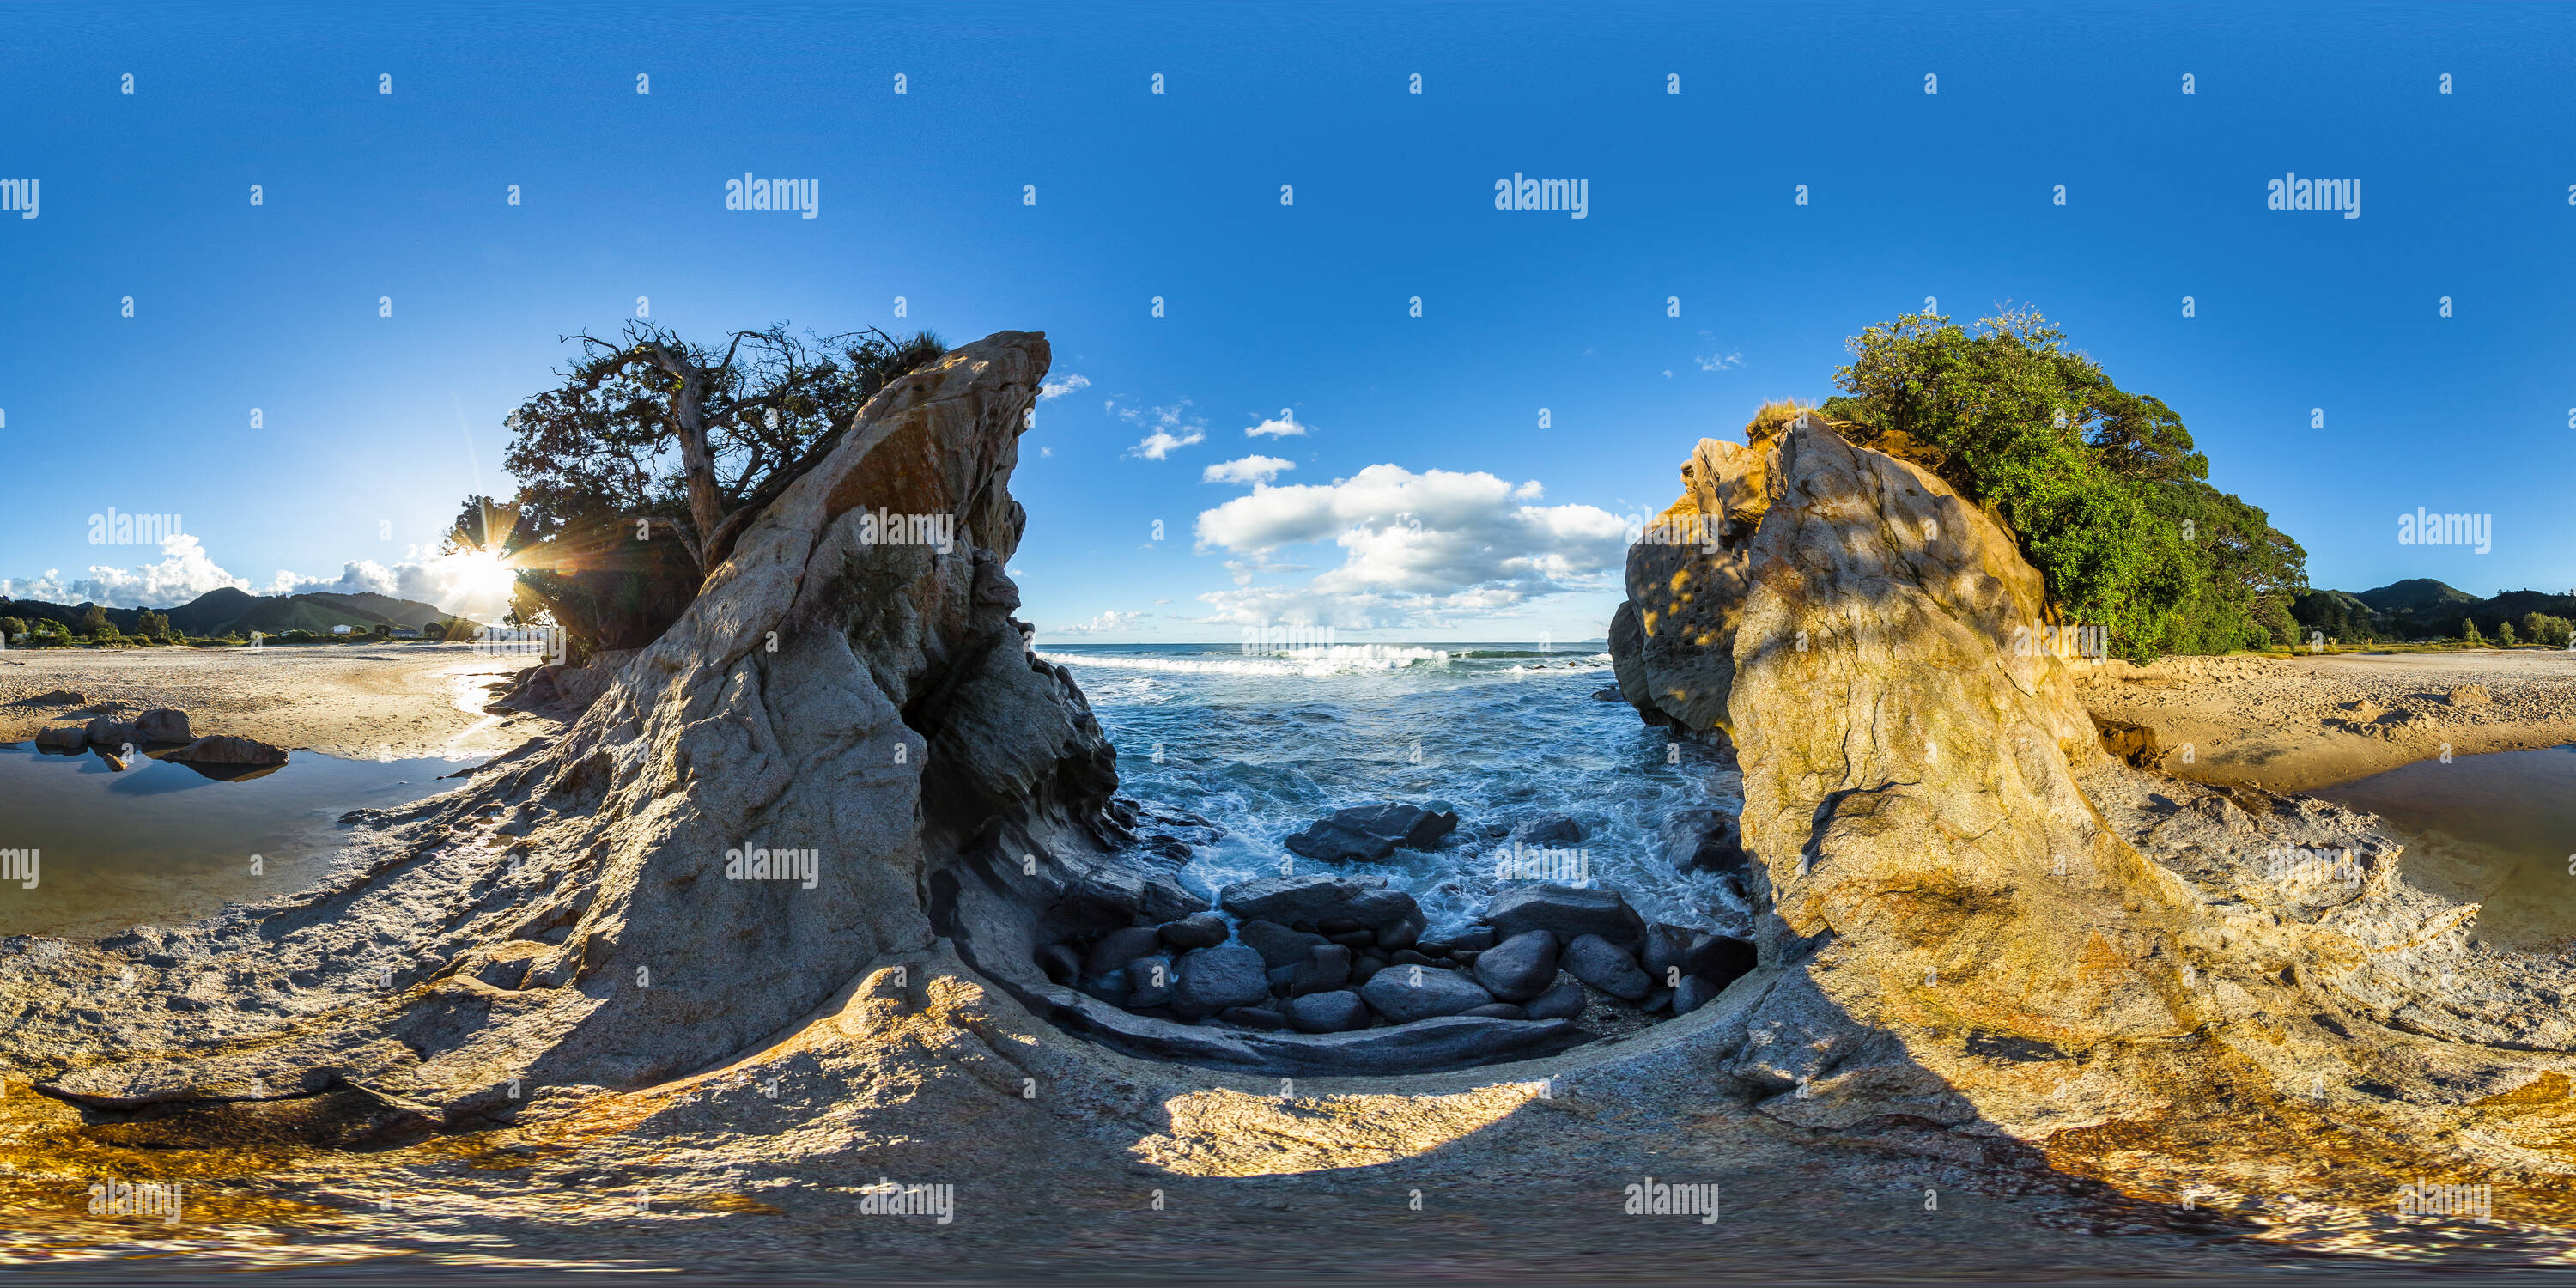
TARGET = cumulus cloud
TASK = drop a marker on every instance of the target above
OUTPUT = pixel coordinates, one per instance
(1417, 548)
(1285, 426)
(1111, 620)
(1061, 385)
(186, 572)
(1170, 428)
(1716, 358)
(1251, 469)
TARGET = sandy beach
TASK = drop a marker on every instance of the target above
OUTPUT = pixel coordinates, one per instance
(2308, 722)
(393, 701)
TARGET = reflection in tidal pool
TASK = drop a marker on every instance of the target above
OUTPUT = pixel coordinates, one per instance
(2497, 830)
(162, 844)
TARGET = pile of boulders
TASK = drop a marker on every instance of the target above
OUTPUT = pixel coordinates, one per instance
(152, 730)
(1332, 954)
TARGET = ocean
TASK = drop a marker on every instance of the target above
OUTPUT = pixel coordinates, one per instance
(1263, 744)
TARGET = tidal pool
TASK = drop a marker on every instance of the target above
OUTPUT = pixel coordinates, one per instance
(2497, 830)
(162, 844)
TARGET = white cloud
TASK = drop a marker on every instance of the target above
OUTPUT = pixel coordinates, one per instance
(184, 573)
(1716, 359)
(1285, 426)
(1112, 620)
(1062, 385)
(1173, 428)
(1417, 548)
(1251, 469)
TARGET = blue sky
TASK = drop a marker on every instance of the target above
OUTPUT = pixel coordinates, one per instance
(374, 428)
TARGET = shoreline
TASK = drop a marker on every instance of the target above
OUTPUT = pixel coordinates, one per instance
(358, 702)
(2298, 724)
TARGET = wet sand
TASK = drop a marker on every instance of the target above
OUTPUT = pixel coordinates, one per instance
(2298, 724)
(390, 701)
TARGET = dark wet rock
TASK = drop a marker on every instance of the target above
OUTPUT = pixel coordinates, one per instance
(1310, 899)
(1365, 967)
(1497, 1011)
(1372, 832)
(1331, 926)
(163, 725)
(1339, 1011)
(1277, 944)
(224, 750)
(1119, 947)
(1150, 981)
(1568, 911)
(1519, 968)
(1327, 967)
(1606, 966)
(1610, 694)
(1407, 993)
(1703, 840)
(1281, 977)
(1475, 939)
(1402, 932)
(1548, 830)
(1462, 957)
(1657, 1000)
(1354, 940)
(57, 698)
(62, 738)
(1253, 1017)
(1198, 930)
(1060, 962)
(1564, 1000)
(1410, 957)
(1694, 993)
(1213, 979)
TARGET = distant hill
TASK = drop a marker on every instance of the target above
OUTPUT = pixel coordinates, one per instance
(2420, 608)
(2415, 595)
(229, 612)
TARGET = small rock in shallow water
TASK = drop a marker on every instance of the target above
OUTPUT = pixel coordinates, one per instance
(163, 725)
(1548, 830)
(1608, 967)
(222, 749)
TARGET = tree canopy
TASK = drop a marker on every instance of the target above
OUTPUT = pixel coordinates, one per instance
(2104, 488)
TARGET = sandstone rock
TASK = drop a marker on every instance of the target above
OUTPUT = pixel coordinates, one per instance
(2132, 743)
(1213, 979)
(223, 749)
(1606, 966)
(1407, 993)
(1519, 968)
(1311, 898)
(1566, 910)
(1372, 832)
(56, 698)
(62, 738)
(1199, 930)
(163, 725)
(2469, 695)
(1335, 1012)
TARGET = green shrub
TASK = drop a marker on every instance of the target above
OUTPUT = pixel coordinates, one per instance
(2103, 488)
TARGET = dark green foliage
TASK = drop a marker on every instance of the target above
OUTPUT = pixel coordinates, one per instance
(2340, 617)
(2103, 487)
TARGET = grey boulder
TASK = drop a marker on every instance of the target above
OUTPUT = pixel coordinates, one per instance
(1548, 830)
(1608, 967)
(1119, 947)
(1564, 1001)
(223, 749)
(1566, 910)
(1519, 968)
(1372, 832)
(1213, 979)
(1198, 930)
(1277, 944)
(1150, 981)
(1291, 901)
(163, 725)
(1408, 993)
(1694, 993)
(1336, 1012)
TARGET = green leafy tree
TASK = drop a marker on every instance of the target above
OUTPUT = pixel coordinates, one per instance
(2469, 631)
(93, 622)
(14, 628)
(153, 624)
(2103, 488)
(2504, 634)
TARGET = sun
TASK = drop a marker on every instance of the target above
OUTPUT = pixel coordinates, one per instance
(480, 574)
